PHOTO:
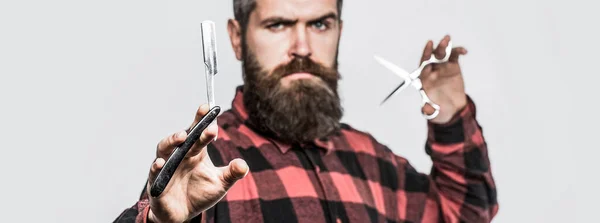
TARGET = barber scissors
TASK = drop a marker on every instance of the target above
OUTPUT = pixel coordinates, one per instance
(413, 79)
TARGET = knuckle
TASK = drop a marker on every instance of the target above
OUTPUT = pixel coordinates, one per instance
(173, 138)
(201, 109)
(162, 144)
(226, 181)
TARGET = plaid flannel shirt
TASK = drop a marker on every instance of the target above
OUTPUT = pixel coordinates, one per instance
(349, 177)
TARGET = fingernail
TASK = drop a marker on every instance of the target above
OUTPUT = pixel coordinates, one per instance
(181, 134)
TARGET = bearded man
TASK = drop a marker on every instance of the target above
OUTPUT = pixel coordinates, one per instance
(283, 155)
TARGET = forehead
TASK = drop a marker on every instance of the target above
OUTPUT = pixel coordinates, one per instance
(295, 8)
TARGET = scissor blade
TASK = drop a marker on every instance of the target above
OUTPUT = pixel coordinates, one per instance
(395, 69)
(398, 89)
(209, 44)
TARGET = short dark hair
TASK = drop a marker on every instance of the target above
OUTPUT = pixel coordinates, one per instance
(243, 8)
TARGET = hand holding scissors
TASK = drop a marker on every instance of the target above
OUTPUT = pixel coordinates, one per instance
(442, 76)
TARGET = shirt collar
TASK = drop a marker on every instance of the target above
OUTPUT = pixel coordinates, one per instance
(240, 112)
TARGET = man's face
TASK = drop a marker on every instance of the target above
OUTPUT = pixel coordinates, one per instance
(289, 52)
(280, 30)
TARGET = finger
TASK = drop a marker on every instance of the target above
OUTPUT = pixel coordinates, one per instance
(456, 52)
(440, 51)
(165, 146)
(206, 137)
(427, 51)
(427, 109)
(202, 110)
(236, 170)
(155, 169)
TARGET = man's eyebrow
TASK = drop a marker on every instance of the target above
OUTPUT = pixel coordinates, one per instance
(277, 19)
(281, 19)
(330, 15)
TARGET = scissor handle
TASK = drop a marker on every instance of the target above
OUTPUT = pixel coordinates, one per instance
(432, 59)
(448, 51)
(426, 101)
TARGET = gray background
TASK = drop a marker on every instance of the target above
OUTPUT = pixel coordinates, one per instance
(89, 87)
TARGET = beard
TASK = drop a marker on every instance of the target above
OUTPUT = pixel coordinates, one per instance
(302, 111)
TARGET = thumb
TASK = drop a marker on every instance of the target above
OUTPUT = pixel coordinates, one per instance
(236, 170)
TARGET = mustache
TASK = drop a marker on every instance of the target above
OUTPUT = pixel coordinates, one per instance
(306, 65)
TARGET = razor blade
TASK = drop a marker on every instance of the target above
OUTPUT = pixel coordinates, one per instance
(209, 45)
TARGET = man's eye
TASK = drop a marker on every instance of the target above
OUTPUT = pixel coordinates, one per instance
(320, 25)
(276, 26)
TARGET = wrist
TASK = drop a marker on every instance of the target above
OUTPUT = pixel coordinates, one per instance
(451, 110)
(465, 112)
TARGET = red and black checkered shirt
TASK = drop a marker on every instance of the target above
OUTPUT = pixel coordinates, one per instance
(349, 177)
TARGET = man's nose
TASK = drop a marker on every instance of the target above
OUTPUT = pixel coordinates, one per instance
(301, 44)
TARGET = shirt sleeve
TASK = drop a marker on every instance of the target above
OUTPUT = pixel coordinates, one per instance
(138, 213)
(463, 184)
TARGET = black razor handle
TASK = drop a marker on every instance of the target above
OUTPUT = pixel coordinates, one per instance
(166, 173)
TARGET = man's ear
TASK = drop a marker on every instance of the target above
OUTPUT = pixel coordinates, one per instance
(341, 24)
(235, 36)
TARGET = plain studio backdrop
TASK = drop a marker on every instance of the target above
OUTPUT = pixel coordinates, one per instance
(88, 88)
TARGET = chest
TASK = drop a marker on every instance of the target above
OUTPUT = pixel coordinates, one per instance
(308, 186)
